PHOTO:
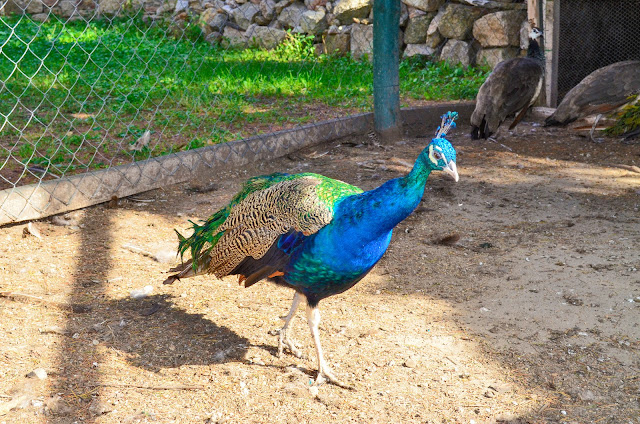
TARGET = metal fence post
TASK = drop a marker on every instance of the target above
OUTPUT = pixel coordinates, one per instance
(386, 96)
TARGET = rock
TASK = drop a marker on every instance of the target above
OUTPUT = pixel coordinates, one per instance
(315, 4)
(98, 408)
(336, 42)
(11, 7)
(213, 19)
(38, 373)
(426, 5)
(404, 14)
(434, 38)
(243, 15)
(40, 17)
(410, 363)
(346, 10)
(500, 29)
(416, 32)
(268, 9)
(418, 50)
(180, 6)
(361, 41)
(261, 20)
(34, 7)
(496, 55)
(233, 37)
(57, 406)
(313, 390)
(112, 7)
(457, 21)
(313, 23)
(141, 293)
(586, 396)
(458, 52)
(266, 37)
(291, 15)
(68, 8)
(279, 6)
(31, 229)
(414, 13)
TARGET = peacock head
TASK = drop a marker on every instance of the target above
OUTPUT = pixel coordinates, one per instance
(440, 155)
(535, 33)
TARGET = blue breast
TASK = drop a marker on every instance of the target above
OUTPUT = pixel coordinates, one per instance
(335, 258)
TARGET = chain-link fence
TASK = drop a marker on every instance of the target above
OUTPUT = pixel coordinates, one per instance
(105, 91)
(594, 34)
(103, 98)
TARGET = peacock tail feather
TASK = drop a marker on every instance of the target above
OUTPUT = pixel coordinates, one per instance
(265, 207)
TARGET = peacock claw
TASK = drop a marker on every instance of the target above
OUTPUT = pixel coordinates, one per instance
(284, 341)
(327, 375)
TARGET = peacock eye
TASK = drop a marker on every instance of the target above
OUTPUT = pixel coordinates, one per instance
(437, 155)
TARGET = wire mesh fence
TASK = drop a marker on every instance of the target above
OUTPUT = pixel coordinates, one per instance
(594, 34)
(106, 97)
(86, 87)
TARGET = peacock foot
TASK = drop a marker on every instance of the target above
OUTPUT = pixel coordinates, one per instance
(290, 344)
(326, 374)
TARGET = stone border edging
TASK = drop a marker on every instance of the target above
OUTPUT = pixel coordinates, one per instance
(52, 197)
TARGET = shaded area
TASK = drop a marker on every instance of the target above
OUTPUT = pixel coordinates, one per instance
(594, 34)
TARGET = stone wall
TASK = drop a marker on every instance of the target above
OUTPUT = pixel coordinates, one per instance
(458, 31)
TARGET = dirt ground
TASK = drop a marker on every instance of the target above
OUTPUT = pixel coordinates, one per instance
(529, 314)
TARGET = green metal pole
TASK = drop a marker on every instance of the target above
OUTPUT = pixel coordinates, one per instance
(386, 81)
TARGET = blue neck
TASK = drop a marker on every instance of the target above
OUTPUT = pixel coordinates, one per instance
(380, 210)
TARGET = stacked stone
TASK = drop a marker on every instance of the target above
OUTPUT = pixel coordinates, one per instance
(457, 31)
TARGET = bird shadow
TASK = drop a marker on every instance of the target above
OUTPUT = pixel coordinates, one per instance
(153, 333)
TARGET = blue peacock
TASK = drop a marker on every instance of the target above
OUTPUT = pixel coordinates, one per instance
(314, 234)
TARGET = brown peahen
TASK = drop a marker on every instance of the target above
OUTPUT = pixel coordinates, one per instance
(512, 87)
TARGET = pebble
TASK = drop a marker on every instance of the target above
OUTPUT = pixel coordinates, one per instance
(39, 373)
(410, 363)
(165, 256)
(57, 405)
(141, 293)
(31, 229)
(586, 395)
(98, 408)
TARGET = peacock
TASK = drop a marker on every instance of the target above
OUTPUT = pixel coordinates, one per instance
(316, 235)
(604, 91)
(512, 87)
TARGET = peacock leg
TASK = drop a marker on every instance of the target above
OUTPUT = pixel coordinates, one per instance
(284, 340)
(593, 128)
(324, 372)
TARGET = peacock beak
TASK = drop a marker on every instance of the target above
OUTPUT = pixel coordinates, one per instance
(452, 170)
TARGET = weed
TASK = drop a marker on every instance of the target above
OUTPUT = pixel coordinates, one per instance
(80, 93)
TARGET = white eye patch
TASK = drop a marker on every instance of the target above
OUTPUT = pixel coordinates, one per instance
(432, 156)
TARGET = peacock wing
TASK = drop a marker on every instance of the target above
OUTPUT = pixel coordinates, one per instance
(602, 91)
(522, 85)
(302, 204)
(509, 88)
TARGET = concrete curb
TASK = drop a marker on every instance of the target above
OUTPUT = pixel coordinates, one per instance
(37, 201)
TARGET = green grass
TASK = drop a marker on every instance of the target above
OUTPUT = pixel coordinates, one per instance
(76, 95)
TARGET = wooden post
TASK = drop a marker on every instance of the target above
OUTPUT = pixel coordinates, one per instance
(386, 80)
(532, 12)
(551, 21)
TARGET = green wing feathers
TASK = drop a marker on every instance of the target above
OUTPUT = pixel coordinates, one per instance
(266, 207)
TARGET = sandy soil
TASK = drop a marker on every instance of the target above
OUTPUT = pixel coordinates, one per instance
(531, 316)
